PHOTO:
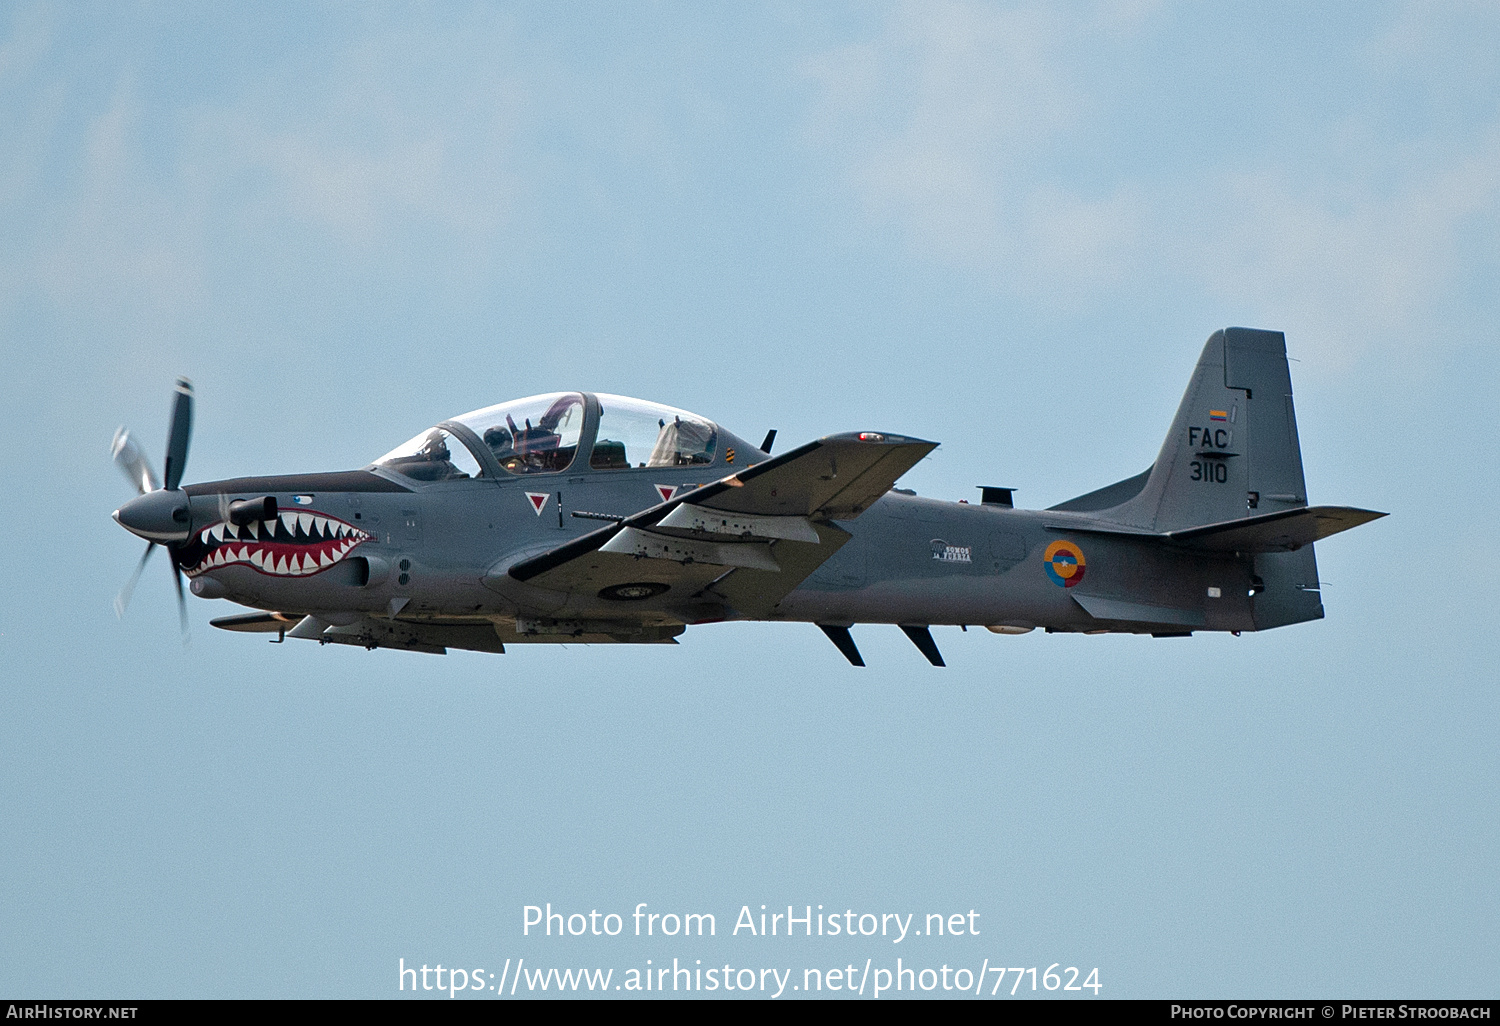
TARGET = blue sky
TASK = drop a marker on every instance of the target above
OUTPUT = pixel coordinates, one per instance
(1006, 227)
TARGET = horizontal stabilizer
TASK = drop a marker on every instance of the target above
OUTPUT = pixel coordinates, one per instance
(1284, 531)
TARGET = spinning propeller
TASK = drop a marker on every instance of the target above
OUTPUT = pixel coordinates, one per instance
(159, 513)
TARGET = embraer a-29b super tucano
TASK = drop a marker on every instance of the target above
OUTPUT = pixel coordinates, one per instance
(583, 517)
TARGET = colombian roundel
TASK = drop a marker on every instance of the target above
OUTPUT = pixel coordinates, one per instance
(1064, 562)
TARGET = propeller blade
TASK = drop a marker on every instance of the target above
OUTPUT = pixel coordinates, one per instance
(132, 462)
(181, 602)
(122, 600)
(179, 433)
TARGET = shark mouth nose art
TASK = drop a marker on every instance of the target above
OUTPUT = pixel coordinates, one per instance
(293, 545)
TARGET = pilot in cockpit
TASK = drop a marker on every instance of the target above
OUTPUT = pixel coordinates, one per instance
(499, 439)
(431, 462)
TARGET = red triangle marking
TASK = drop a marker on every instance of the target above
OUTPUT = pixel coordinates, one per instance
(538, 500)
(666, 491)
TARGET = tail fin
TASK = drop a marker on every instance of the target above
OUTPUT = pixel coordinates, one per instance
(1233, 449)
(1232, 452)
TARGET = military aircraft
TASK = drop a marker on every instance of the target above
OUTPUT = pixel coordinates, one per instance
(591, 518)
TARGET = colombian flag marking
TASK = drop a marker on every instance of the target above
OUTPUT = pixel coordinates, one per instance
(1064, 563)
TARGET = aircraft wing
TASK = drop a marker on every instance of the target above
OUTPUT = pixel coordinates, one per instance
(739, 544)
(833, 478)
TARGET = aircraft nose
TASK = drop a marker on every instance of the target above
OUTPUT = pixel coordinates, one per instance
(159, 516)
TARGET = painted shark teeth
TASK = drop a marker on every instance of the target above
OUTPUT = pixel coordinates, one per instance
(294, 544)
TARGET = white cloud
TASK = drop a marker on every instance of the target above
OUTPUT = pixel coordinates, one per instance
(396, 131)
(1360, 272)
(959, 125)
(390, 148)
(119, 242)
(928, 120)
(1097, 240)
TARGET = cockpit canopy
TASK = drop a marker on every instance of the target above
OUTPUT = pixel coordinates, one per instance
(544, 434)
(635, 433)
(538, 435)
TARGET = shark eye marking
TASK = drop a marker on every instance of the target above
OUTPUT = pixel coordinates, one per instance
(297, 543)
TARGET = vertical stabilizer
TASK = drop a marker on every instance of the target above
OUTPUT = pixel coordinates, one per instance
(1233, 452)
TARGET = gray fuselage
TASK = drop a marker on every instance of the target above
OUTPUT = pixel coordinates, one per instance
(439, 551)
